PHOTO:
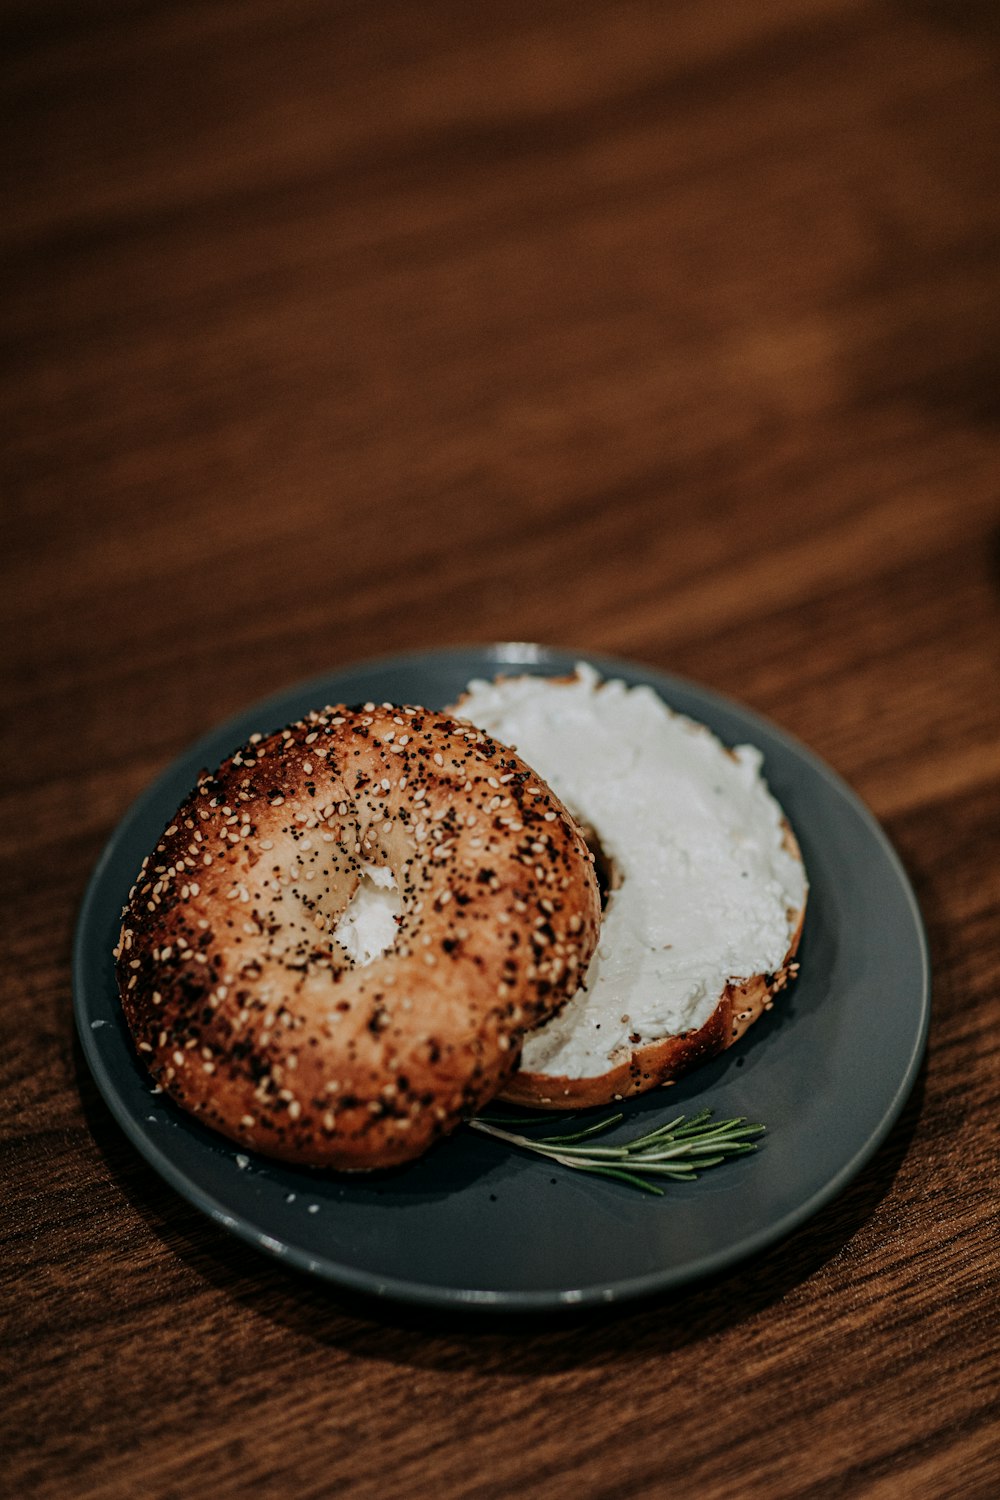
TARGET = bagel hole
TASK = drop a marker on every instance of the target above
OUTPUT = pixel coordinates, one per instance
(606, 868)
(369, 923)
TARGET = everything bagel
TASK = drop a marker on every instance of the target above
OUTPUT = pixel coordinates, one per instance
(707, 891)
(235, 966)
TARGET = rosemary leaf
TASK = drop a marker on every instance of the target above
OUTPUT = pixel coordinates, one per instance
(621, 1176)
(678, 1150)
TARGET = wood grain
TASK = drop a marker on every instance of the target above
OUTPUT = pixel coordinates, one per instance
(336, 329)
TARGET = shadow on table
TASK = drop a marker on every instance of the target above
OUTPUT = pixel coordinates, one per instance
(975, 18)
(369, 1328)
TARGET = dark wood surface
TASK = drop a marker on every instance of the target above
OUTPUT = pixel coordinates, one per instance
(666, 330)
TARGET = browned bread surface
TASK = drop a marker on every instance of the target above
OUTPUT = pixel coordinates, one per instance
(251, 1016)
(657, 1062)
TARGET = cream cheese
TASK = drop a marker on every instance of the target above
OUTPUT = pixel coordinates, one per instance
(368, 924)
(710, 893)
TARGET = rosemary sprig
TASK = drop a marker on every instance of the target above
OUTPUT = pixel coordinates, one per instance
(678, 1150)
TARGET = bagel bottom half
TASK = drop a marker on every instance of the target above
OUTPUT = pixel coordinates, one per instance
(707, 889)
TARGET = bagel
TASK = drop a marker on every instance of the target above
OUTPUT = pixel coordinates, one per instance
(259, 1005)
(706, 889)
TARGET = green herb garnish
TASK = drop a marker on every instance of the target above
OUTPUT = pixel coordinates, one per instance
(678, 1151)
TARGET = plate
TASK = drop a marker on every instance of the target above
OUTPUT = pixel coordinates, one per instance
(474, 1223)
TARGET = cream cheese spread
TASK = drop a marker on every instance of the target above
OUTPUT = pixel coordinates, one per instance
(709, 892)
(369, 922)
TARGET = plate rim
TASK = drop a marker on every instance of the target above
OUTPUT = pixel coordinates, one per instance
(419, 1293)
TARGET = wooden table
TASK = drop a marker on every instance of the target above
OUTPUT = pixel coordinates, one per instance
(334, 329)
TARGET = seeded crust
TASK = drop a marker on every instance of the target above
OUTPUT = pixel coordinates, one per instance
(653, 1064)
(251, 1016)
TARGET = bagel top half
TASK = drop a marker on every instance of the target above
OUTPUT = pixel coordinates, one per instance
(246, 991)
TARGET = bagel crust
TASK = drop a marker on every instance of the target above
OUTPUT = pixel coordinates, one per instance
(660, 1063)
(249, 1013)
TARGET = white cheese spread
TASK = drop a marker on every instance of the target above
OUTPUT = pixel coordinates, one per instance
(709, 891)
(368, 924)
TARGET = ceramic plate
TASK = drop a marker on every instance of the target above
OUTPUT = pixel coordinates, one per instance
(475, 1223)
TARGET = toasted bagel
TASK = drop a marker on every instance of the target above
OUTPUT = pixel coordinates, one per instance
(248, 998)
(705, 908)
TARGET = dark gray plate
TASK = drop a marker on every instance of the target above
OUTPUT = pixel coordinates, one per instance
(475, 1223)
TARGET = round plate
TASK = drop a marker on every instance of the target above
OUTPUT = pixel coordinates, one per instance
(477, 1223)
